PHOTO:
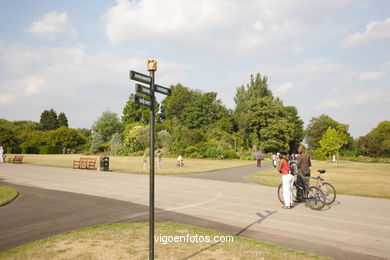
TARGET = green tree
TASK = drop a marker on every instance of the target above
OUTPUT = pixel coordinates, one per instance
(164, 139)
(135, 113)
(192, 108)
(67, 137)
(106, 125)
(297, 133)
(318, 126)
(332, 141)
(135, 138)
(256, 88)
(376, 142)
(97, 140)
(62, 120)
(84, 131)
(49, 120)
(116, 144)
(8, 134)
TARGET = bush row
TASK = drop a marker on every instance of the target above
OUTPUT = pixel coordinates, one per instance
(45, 149)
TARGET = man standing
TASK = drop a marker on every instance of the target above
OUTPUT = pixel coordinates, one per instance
(304, 164)
(1, 154)
(259, 157)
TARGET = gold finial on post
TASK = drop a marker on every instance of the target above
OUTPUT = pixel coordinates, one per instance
(152, 65)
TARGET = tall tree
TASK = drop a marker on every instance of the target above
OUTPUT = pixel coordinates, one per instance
(256, 88)
(62, 120)
(332, 140)
(193, 108)
(135, 113)
(376, 142)
(318, 126)
(106, 125)
(67, 137)
(297, 134)
(49, 120)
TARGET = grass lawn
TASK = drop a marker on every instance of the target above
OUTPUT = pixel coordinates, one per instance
(7, 195)
(130, 241)
(134, 164)
(352, 178)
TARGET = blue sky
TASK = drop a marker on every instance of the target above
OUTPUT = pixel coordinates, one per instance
(329, 57)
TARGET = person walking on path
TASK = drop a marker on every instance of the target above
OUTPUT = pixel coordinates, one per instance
(145, 162)
(304, 164)
(259, 157)
(287, 180)
(274, 161)
(1, 154)
(159, 159)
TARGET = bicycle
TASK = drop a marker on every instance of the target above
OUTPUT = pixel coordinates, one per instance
(313, 196)
(179, 164)
(327, 188)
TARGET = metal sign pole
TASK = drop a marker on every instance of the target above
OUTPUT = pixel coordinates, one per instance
(152, 67)
(151, 170)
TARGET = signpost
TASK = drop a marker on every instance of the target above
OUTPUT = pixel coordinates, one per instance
(149, 102)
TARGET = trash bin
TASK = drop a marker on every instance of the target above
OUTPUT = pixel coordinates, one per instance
(104, 163)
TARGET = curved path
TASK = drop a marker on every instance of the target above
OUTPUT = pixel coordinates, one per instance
(353, 228)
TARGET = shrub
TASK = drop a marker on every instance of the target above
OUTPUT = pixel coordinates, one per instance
(231, 154)
(318, 155)
(30, 150)
(49, 149)
(14, 150)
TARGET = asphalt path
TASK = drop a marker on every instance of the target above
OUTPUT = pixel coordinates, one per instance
(352, 228)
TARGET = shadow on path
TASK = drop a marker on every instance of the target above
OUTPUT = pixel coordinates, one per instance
(257, 221)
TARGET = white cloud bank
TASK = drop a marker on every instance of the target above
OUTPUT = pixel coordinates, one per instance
(374, 31)
(51, 26)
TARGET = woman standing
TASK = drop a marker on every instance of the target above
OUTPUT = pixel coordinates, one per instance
(287, 180)
(159, 159)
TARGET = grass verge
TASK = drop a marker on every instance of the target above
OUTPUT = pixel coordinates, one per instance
(130, 241)
(133, 164)
(351, 178)
(7, 195)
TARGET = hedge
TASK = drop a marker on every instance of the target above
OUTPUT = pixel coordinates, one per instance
(45, 149)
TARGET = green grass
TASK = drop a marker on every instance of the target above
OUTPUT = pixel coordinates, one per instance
(133, 164)
(351, 178)
(7, 195)
(130, 241)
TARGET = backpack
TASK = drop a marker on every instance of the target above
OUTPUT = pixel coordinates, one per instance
(293, 168)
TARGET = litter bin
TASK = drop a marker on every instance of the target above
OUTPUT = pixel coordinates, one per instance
(104, 163)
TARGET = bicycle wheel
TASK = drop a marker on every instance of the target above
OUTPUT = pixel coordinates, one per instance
(315, 198)
(329, 192)
(280, 193)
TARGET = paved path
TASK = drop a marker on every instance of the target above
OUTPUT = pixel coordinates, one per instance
(353, 228)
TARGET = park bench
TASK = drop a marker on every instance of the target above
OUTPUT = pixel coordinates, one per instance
(16, 159)
(85, 163)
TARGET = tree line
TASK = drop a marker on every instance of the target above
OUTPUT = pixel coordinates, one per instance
(197, 124)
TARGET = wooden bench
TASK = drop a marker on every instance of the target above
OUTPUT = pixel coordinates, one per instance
(85, 163)
(16, 159)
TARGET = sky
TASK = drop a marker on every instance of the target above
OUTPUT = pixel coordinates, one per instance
(324, 57)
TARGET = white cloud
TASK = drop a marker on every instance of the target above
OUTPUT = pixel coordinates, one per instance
(374, 31)
(356, 100)
(371, 75)
(52, 25)
(73, 79)
(33, 85)
(285, 88)
(221, 27)
(5, 99)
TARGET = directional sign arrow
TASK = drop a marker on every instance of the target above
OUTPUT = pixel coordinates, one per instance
(142, 89)
(141, 101)
(162, 90)
(140, 77)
